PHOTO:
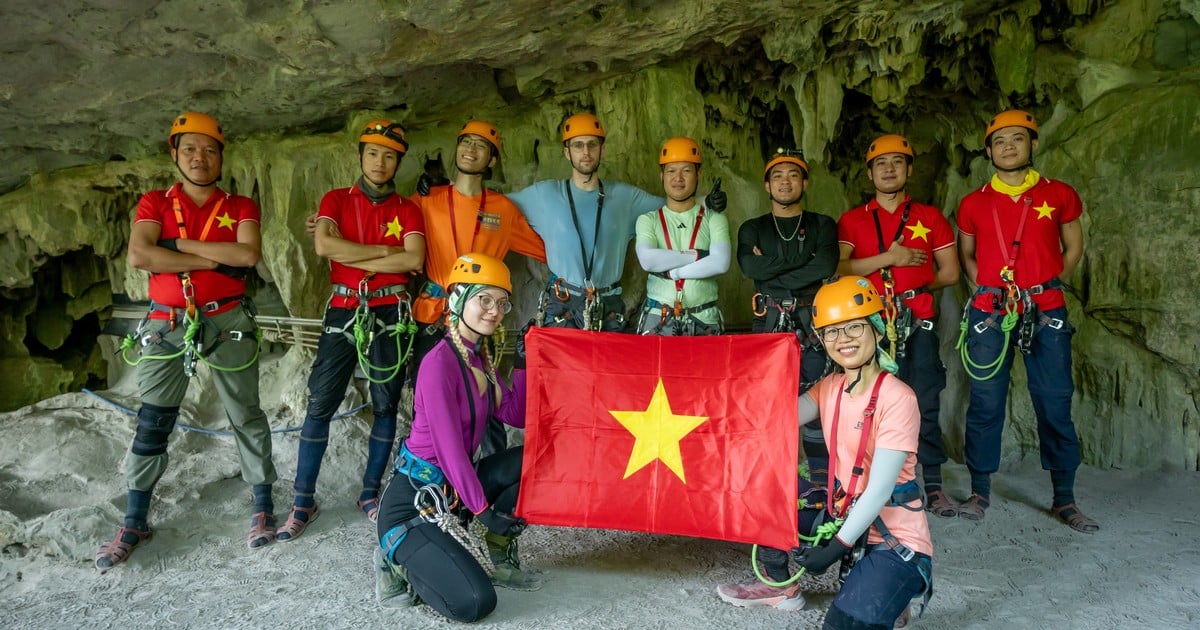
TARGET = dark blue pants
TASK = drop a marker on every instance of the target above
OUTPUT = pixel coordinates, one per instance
(877, 590)
(922, 369)
(1048, 366)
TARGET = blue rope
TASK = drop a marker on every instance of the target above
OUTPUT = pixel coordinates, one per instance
(185, 427)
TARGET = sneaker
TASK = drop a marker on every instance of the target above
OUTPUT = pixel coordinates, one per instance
(391, 583)
(753, 592)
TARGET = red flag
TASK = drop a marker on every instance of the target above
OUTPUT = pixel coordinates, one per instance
(695, 436)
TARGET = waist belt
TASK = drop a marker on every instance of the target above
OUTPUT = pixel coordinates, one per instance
(557, 285)
(342, 290)
(208, 307)
(433, 289)
(417, 469)
(1053, 284)
(655, 304)
(788, 303)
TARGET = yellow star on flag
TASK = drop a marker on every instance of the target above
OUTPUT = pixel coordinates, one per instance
(1044, 211)
(919, 231)
(393, 228)
(657, 432)
(225, 221)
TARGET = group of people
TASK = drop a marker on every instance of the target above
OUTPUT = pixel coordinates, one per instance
(858, 292)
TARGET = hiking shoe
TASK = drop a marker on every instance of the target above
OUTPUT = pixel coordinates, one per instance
(392, 589)
(110, 554)
(752, 592)
(508, 573)
(973, 509)
(938, 504)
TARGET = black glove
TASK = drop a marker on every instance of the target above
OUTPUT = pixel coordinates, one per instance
(500, 522)
(237, 273)
(701, 253)
(519, 349)
(424, 183)
(169, 243)
(817, 560)
(716, 198)
(665, 275)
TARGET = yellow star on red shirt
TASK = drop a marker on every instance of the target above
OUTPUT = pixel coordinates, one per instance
(657, 432)
(225, 221)
(1045, 210)
(393, 228)
(919, 231)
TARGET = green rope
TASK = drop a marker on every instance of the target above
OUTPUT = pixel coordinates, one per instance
(364, 335)
(825, 531)
(992, 369)
(189, 343)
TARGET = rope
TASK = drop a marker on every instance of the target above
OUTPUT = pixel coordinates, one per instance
(825, 531)
(185, 427)
(1007, 324)
(364, 335)
(439, 513)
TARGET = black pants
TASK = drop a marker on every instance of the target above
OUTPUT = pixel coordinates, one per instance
(922, 369)
(441, 571)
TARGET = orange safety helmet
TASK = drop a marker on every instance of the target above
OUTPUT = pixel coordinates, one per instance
(582, 125)
(679, 150)
(385, 133)
(788, 156)
(195, 122)
(844, 299)
(890, 143)
(483, 129)
(1011, 118)
(479, 268)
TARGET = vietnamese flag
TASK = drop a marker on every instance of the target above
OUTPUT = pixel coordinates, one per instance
(695, 436)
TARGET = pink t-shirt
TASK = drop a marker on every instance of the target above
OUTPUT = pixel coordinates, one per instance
(896, 426)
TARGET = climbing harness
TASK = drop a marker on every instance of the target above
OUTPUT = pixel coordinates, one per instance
(593, 308)
(588, 300)
(1012, 307)
(679, 322)
(898, 320)
(362, 328)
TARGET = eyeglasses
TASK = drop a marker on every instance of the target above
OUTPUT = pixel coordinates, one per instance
(853, 331)
(392, 132)
(488, 303)
(796, 153)
(580, 145)
(474, 143)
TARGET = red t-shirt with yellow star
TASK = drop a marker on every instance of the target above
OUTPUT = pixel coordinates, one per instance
(925, 229)
(360, 221)
(1047, 206)
(216, 221)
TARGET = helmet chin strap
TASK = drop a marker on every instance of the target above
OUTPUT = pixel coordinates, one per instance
(859, 369)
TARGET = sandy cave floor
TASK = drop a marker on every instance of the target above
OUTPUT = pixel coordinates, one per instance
(61, 496)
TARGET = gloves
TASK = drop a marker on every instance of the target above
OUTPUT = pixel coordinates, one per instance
(700, 253)
(424, 183)
(169, 243)
(817, 560)
(237, 273)
(716, 198)
(519, 350)
(665, 275)
(500, 522)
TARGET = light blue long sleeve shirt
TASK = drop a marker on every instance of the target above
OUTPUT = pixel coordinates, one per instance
(548, 210)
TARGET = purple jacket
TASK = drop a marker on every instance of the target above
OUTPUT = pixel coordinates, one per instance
(442, 433)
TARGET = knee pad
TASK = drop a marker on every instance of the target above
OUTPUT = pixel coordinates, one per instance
(154, 426)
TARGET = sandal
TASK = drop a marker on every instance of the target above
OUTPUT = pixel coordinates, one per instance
(1076, 519)
(262, 529)
(370, 507)
(115, 552)
(941, 505)
(295, 525)
(973, 509)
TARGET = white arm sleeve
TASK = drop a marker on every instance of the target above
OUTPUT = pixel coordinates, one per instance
(714, 264)
(808, 410)
(885, 470)
(656, 259)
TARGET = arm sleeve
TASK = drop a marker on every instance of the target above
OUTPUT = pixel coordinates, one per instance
(885, 470)
(715, 264)
(650, 255)
(808, 410)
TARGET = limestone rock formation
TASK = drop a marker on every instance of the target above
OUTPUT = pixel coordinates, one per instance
(90, 87)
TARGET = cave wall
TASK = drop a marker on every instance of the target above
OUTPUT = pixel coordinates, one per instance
(1114, 85)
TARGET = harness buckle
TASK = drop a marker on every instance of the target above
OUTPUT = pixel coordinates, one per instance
(236, 335)
(209, 307)
(903, 551)
(1055, 323)
(980, 327)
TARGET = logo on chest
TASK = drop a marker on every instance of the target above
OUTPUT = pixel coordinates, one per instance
(489, 221)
